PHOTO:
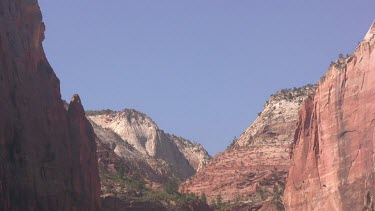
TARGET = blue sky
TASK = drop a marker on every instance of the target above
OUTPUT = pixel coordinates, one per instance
(200, 69)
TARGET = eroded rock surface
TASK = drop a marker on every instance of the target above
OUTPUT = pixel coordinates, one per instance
(247, 171)
(333, 157)
(140, 164)
(159, 156)
(47, 154)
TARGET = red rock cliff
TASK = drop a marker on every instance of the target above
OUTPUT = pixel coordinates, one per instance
(334, 152)
(246, 173)
(47, 155)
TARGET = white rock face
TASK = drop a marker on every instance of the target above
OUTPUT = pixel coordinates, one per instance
(136, 138)
(133, 127)
(370, 33)
(194, 153)
(278, 118)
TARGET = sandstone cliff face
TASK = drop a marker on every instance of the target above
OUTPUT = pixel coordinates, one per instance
(159, 156)
(247, 171)
(333, 157)
(47, 155)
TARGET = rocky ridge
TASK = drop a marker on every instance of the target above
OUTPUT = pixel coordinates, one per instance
(159, 156)
(247, 171)
(333, 157)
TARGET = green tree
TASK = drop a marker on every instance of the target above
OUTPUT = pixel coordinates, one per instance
(203, 197)
(277, 198)
(219, 201)
(171, 186)
(121, 171)
(262, 193)
(232, 143)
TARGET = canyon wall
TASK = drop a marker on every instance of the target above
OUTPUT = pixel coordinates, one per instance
(333, 162)
(47, 154)
(248, 170)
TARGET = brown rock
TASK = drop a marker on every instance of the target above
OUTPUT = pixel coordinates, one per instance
(47, 155)
(82, 136)
(333, 157)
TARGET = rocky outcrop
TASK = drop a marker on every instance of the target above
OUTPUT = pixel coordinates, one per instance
(85, 161)
(333, 157)
(47, 154)
(247, 171)
(136, 139)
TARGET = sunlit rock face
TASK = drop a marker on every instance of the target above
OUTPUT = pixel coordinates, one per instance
(333, 154)
(47, 154)
(135, 138)
(260, 157)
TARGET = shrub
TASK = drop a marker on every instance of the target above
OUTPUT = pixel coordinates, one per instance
(277, 197)
(232, 143)
(262, 193)
(171, 187)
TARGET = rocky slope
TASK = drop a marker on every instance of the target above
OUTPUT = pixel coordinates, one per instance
(159, 156)
(124, 186)
(48, 155)
(141, 165)
(248, 170)
(333, 157)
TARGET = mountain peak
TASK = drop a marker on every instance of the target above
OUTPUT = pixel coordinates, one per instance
(371, 32)
(76, 99)
(141, 132)
(76, 105)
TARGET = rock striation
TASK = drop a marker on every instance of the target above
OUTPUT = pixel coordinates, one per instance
(157, 155)
(247, 171)
(47, 154)
(333, 152)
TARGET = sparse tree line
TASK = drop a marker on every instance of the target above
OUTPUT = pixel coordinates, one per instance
(98, 112)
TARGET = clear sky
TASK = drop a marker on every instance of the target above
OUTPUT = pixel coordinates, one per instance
(201, 69)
